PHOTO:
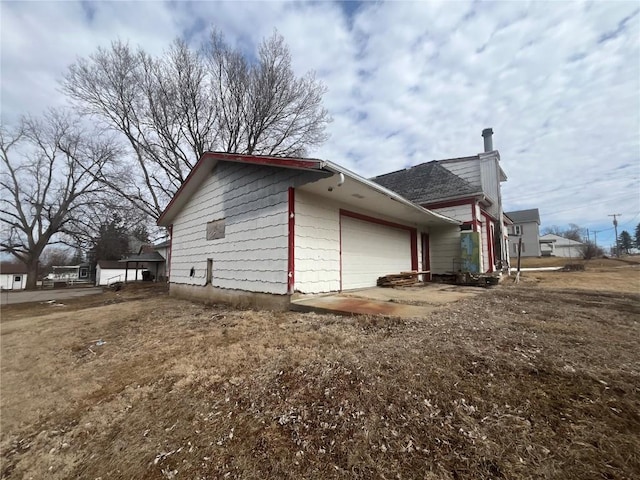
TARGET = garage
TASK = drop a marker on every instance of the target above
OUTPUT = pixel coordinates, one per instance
(372, 248)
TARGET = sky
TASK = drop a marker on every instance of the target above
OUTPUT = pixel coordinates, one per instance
(408, 82)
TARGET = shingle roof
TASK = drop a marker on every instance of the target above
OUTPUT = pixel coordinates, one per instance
(152, 257)
(11, 267)
(427, 182)
(524, 216)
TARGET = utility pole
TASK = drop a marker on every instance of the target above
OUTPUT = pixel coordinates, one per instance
(615, 226)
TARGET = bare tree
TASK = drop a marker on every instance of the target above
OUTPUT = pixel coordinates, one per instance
(573, 232)
(49, 177)
(171, 109)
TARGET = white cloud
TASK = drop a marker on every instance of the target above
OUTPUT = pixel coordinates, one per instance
(408, 82)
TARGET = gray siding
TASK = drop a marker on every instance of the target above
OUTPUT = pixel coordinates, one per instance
(253, 255)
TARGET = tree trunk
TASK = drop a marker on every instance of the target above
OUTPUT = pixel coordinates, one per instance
(32, 274)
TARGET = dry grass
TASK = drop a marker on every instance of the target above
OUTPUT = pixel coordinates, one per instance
(519, 382)
(594, 263)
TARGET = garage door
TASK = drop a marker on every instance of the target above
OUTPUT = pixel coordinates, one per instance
(370, 250)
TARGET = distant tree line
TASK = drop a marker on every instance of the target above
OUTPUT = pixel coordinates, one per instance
(138, 125)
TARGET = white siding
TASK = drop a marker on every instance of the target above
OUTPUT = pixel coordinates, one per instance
(317, 244)
(484, 248)
(489, 169)
(444, 249)
(7, 281)
(107, 276)
(253, 255)
(370, 250)
(466, 169)
(462, 213)
(530, 232)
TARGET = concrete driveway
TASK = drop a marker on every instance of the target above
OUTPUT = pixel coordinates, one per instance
(9, 297)
(406, 302)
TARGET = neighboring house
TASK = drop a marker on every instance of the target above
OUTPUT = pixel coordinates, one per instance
(252, 230)
(467, 189)
(112, 271)
(70, 274)
(526, 224)
(13, 276)
(556, 246)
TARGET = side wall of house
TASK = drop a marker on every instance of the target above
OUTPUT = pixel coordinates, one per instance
(530, 238)
(251, 202)
(490, 177)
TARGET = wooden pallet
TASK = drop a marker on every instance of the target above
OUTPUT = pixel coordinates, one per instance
(402, 279)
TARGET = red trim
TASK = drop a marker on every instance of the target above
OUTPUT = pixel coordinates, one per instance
(413, 235)
(253, 159)
(169, 252)
(266, 160)
(452, 203)
(367, 218)
(490, 254)
(195, 168)
(426, 257)
(292, 230)
(474, 217)
(414, 249)
(489, 216)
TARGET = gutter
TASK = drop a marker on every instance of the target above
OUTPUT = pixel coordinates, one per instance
(333, 168)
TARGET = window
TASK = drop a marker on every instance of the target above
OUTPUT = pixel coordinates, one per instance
(518, 229)
(215, 229)
(84, 273)
(17, 279)
(209, 270)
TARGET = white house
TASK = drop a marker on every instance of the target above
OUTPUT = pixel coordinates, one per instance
(70, 274)
(526, 225)
(467, 189)
(13, 276)
(556, 246)
(252, 230)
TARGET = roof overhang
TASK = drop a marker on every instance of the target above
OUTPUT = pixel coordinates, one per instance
(208, 162)
(352, 190)
(343, 185)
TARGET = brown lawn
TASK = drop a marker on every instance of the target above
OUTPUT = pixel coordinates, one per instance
(536, 380)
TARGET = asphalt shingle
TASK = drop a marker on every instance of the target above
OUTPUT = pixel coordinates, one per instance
(426, 183)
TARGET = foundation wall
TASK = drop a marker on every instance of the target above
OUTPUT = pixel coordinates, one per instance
(209, 294)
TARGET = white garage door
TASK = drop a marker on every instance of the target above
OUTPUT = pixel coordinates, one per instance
(370, 250)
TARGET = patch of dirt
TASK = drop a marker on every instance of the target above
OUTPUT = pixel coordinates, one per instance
(520, 381)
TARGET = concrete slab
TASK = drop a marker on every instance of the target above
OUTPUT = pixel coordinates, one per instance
(407, 302)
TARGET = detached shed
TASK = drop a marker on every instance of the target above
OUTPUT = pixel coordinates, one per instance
(13, 276)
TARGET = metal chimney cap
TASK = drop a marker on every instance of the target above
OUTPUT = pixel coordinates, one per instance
(487, 132)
